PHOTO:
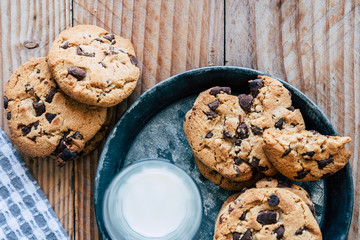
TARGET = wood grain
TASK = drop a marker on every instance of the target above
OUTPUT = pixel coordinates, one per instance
(314, 45)
(38, 21)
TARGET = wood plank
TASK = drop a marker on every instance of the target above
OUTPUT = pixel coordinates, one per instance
(316, 50)
(39, 21)
(169, 37)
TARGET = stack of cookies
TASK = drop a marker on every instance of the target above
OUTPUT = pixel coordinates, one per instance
(237, 140)
(59, 106)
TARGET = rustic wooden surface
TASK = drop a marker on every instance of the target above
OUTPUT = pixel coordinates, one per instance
(313, 45)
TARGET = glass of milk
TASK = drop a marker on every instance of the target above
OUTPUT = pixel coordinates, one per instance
(152, 199)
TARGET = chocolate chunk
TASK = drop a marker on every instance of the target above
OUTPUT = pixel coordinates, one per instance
(245, 102)
(8, 116)
(242, 131)
(284, 184)
(309, 154)
(228, 135)
(238, 142)
(77, 135)
(301, 174)
(103, 64)
(67, 155)
(324, 163)
(267, 217)
(209, 135)
(50, 117)
(273, 200)
(256, 130)
(6, 102)
(312, 208)
(30, 44)
(39, 108)
(25, 129)
(65, 45)
(81, 52)
(287, 151)
(247, 235)
(214, 105)
(133, 60)
(254, 162)
(236, 236)
(300, 231)
(255, 85)
(220, 219)
(34, 124)
(211, 114)
(291, 108)
(243, 215)
(279, 124)
(263, 168)
(216, 90)
(238, 160)
(99, 39)
(279, 232)
(109, 37)
(49, 97)
(32, 138)
(78, 73)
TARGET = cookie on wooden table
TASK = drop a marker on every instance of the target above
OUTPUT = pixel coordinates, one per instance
(306, 155)
(94, 66)
(43, 121)
(266, 213)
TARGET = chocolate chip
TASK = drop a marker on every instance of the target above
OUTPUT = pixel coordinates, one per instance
(230, 209)
(67, 155)
(284, 184)
(100, 40)
(216, 90)
(133, 60)
(214, 105)
(103, 64)
(309, 154)
(6, 102)
(25, 129)
(34, 124)
(312, 208)
(325, 162)
(267, 217)
(49, 97)
(236, 236)
(247, 235)
(243, 215)
(228, 135)
(28, 88)
(287, 151)
(255, 85)
(301, 174)
(80, 52)
(76, 135)
(220, 219)
(273, 200)
(238, 160)
(211, 114)
(254, 162)
(109, 37)
(39, 108)
(50, 117)
(238, 142)
(242, 131)
(279, 123)
(78, 73)
(209, 135)
(237, 171)
(38, 71)
(32, 138)
(245, 102)
(256, 130)
(30, 44)
(65, 45)
(314, 132)
(113, 50)
(8, 116)
(279, 232)
(291, 108)
(300, 231)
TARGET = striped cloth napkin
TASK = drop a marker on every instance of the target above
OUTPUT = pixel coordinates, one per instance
(25, 212)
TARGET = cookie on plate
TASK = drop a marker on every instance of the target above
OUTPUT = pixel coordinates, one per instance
(94, 66)
(224, 182)
(266, 213)
(306, 155)
(274, 183)
(43, 121)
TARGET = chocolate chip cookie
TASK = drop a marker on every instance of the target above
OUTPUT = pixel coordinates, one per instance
(266, 213)
(43, 121)
(94, 66)
(306, 155)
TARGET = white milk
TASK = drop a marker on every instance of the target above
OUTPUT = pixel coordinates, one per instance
(155, 202)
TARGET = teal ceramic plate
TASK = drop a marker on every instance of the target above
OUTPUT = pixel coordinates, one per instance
(152, 128)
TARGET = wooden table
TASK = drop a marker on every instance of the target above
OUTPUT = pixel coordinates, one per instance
(314, 45)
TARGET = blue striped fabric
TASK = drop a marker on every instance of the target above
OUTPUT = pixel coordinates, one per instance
(25, 212)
